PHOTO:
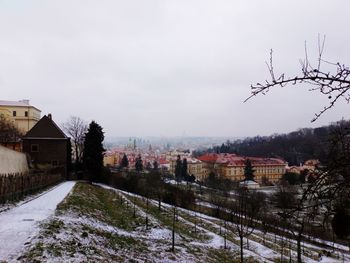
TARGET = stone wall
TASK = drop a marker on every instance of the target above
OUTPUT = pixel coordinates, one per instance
(12, 162)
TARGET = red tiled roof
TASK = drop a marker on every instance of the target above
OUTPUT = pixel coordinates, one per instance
(311, 162)
(208, 158)
(235, 160)
(163, 161)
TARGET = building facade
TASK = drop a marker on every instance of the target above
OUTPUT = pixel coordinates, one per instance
(232, 166)
(47, 146)
(311, 165)
(21, 113)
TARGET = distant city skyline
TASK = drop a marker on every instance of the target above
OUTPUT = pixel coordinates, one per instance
(169, 68)
(176, 142)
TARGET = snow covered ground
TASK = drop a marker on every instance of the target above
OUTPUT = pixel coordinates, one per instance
(269, 252)
(18, 225)
(97, 224)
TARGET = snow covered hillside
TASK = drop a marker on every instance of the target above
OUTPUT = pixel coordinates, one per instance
(99, 223)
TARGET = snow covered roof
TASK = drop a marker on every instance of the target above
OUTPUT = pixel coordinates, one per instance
(248, 182)
(20, 103)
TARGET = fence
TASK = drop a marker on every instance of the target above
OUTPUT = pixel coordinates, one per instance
(15, 186)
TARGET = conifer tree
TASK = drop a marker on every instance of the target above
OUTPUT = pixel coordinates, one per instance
(155, 165)
(93, 151)
(178, 168)
(125, 162)
(248, 170)
(184, 174)
(148, 166)
(139, 164)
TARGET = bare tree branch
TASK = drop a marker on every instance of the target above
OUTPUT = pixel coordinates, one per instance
(335, 85)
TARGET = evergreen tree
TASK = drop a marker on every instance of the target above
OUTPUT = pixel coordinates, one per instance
(184, 168)
(211, 179)
(125, 162)
(155, 165)
(93, 151)
(248, 170)
(148, 166)
(192, 178)
(139, 164)
(178, 168)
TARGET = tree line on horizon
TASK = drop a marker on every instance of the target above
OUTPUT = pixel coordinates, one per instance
(295, 147)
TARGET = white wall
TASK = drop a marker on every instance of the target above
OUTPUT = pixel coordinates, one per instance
(12, 161)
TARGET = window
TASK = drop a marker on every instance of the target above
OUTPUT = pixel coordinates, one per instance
(26, 114)
(34, 148)
(14, 113)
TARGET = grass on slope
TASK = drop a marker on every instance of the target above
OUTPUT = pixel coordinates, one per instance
(165, 216)
(101, 204)
(75, 233)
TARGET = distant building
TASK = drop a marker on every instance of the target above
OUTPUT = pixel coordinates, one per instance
(209, 164)
(232, 166)
(164, 164)
(21, 113)
(109, 159)
(46, 144)
(311, 165)
(194, 167)
(294, 169)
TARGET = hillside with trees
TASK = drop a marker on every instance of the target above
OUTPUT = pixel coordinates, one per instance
(294, 147)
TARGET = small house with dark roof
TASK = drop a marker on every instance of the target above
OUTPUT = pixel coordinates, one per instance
(47, 145)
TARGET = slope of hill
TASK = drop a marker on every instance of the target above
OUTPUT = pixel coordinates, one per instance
(97, 223)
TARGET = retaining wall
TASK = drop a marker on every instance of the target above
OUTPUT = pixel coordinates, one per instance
(12, 162)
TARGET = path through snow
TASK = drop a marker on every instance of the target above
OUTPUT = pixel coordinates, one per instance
(20, 224)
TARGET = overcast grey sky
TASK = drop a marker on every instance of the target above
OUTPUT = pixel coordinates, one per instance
(168, 67)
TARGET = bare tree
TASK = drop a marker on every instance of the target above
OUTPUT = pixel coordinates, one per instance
(294, 216)
(220, 203)
(76, 128)
(331, 184)
(333, 82)
(8, 131)
(174, 216)
(156, 186)
(246, 210)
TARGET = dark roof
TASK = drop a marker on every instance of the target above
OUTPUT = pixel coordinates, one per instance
(45, 128)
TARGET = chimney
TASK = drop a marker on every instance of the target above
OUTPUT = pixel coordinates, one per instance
(25, 101)
(49, 116)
